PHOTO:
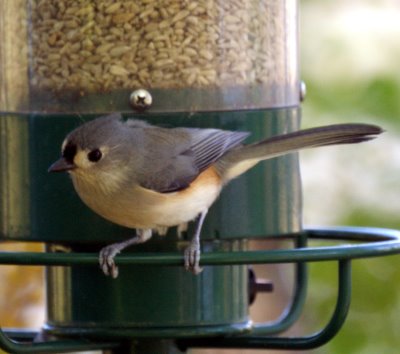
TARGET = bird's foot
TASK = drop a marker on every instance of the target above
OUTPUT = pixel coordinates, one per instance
(108, 253)
(192, 258)
(106, 260)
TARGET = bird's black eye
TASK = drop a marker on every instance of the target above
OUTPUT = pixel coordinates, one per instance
(69, 152)
(95, 155)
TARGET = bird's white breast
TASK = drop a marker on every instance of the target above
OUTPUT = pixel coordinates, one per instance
(138, 207)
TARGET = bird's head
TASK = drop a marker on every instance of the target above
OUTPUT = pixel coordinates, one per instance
(96, 152)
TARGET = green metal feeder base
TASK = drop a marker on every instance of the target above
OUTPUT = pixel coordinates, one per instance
(364, 242)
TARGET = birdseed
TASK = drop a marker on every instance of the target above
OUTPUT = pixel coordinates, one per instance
(96, 46)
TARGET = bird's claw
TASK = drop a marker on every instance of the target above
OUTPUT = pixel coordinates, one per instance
(192, 258)
(106, 260)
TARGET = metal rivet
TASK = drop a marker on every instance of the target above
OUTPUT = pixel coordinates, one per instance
(303, 91)
(140, 99)
(257, 285)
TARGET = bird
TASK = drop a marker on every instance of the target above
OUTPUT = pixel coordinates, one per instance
(150, 178)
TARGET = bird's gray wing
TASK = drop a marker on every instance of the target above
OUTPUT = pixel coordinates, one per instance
(177, 156)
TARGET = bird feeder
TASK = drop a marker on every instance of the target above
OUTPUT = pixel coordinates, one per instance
(207, 63)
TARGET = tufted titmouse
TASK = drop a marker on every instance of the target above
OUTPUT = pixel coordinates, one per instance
(150, 178)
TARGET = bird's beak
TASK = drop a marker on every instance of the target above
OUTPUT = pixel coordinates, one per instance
(61, 165)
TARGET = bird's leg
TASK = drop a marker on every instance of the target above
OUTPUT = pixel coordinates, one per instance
(192, 252)
(107, 254)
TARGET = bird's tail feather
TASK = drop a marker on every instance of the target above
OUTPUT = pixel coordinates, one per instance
(239, 160)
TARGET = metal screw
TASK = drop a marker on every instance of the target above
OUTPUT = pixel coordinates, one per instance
(303, 91)
(140, 99)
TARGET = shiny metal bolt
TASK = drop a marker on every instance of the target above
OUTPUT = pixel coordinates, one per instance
(140, 99)
(303, 91)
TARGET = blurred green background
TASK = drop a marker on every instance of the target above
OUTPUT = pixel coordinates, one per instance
(350, 61)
